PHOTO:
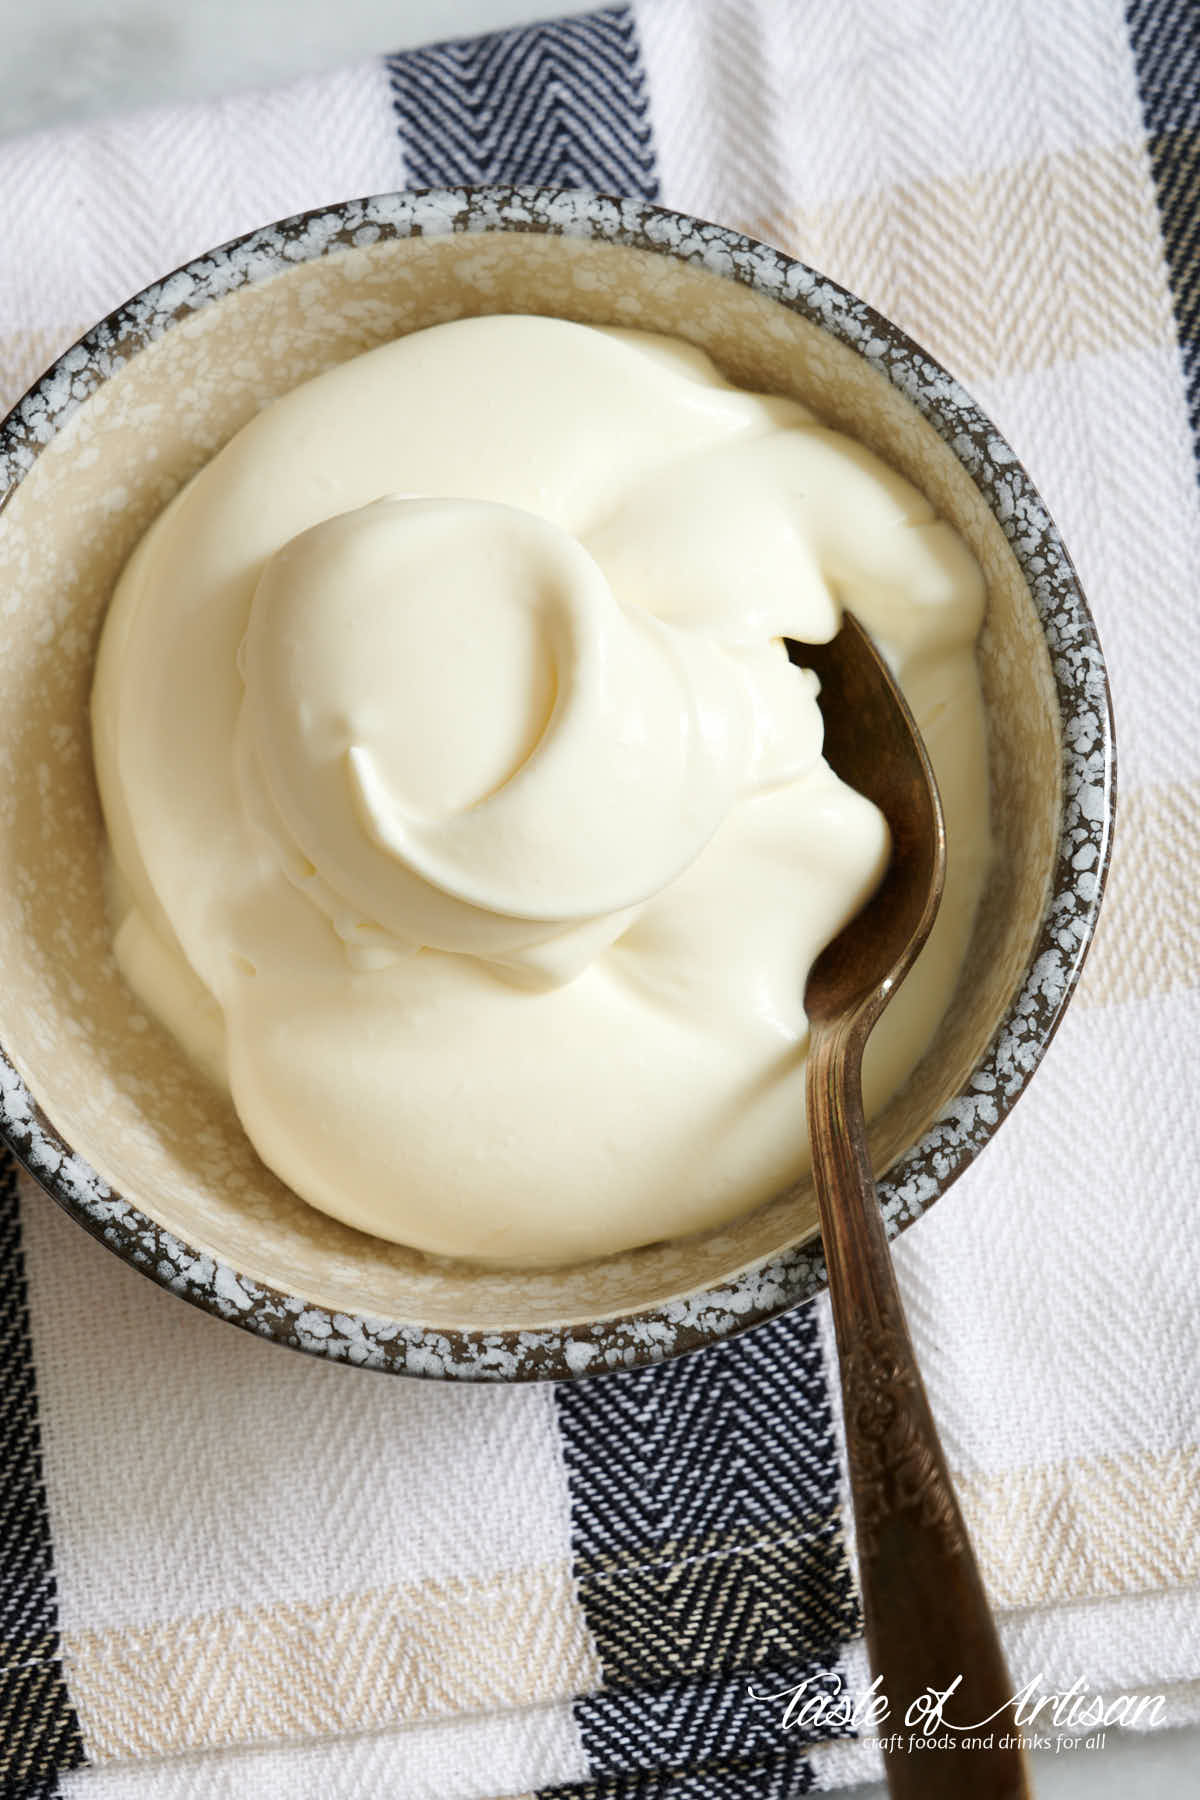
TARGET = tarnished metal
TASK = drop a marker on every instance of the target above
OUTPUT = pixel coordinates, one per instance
(927, 1619)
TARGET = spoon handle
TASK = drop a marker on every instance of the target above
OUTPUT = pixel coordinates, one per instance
(927, 1618)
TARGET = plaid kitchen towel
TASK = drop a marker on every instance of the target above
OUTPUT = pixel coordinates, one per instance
(229, 1570)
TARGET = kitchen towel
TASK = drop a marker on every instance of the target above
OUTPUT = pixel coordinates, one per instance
(226, 1569)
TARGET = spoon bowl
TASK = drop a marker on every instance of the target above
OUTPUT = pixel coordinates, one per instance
(928, 1625)
(872, 743)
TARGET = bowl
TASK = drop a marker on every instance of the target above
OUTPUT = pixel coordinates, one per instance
(99, 1103)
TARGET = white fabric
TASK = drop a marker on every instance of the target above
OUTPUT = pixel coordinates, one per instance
(191, 1471)
(501, 1755)
(95, 213)
(1055, 1299)
(281, 1480)
(1105, 436)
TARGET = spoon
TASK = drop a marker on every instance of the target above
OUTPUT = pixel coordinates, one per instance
(926, 1615)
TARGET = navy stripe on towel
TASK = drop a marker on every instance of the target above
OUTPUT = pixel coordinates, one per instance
(783, 1779)
(39, 1733)
(1165, 35)
(563, 104)
(710, 1560)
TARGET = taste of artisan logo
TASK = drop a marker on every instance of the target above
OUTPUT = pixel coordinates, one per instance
(1037, 1717)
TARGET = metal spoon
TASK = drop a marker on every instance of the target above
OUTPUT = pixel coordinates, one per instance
(927, 1619)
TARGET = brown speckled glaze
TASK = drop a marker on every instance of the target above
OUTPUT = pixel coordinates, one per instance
(98, 1102)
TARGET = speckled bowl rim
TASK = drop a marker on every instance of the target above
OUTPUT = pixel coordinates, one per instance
(1089, 768)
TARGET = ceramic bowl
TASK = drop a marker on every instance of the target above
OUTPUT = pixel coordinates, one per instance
(99, 1103)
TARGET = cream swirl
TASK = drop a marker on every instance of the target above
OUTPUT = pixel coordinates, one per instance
(461, 741)
(469, 819)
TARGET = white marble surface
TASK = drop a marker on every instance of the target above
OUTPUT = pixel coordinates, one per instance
(77, 59)
(67, 60)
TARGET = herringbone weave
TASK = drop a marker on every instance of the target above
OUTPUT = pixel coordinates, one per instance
(226, 1570)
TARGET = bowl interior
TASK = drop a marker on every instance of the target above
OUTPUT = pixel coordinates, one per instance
(112, 1084)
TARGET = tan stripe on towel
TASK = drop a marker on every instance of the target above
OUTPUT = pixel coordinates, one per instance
(248, 1675)
(1087, 1528)
(1013, 269)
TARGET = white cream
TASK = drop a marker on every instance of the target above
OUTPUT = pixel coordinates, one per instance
(469, 821)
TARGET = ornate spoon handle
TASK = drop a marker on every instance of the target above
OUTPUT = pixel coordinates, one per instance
(928, 1623)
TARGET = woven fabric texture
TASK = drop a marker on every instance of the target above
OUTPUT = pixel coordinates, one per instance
(228, 1570)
